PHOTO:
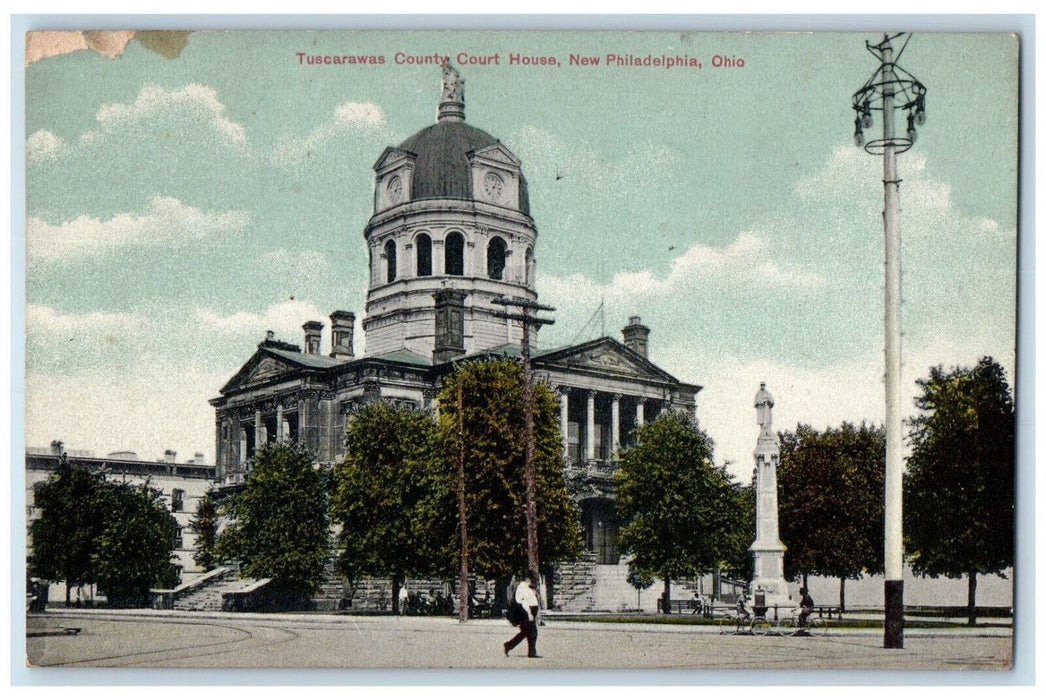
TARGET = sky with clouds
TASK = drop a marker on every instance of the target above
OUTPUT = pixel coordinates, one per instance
(180, 207)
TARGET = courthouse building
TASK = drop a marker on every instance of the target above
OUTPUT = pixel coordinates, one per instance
(450, 233)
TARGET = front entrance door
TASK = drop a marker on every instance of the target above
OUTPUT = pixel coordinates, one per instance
(601, 531)
(604, 534)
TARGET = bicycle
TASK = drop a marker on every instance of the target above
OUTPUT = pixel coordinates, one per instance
(815, 625)
(736, 624)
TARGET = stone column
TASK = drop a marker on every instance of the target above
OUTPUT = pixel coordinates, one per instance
(564, 418)
(219, 448)
(439, 267)
(615, 423)
(639, 412)
(279, 423)
(590, 426)
(259, 431)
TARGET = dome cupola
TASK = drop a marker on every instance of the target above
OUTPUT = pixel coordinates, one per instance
(450, 160)
(451, 222)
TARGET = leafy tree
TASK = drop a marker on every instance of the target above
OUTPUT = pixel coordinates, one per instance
(493, 437)
(958, 490)
(830, 507)
(640, 581)
(679, 509)
(135, 544)
(205, 524)
(279, 522)
(737, 561)
(92, 530)
(381, 491)
(65, 536)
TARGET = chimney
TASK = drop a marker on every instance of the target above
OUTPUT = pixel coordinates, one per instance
(312, 337)
(270, 336)
(636, 336)
(450, 325)
(342, 325)
(170, 456)
(197, 458)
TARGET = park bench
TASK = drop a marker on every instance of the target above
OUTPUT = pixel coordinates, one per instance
(829, 612)
(684, 605)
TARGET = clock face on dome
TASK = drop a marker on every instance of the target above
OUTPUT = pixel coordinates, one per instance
(395, 189)
(493, 187)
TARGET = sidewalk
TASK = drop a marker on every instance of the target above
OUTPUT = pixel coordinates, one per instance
(442, 622)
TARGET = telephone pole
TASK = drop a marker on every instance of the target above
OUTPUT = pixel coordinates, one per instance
(527, 318)
(891, 88)
(463, 583)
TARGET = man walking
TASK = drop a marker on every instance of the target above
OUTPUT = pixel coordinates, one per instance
(527, 598)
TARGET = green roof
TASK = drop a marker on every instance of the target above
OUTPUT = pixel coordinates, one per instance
(403, 356)
(313, 361)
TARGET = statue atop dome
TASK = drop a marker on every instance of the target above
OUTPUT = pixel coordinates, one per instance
(452, 97)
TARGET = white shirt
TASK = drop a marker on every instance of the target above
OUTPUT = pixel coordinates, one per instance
(527, 597)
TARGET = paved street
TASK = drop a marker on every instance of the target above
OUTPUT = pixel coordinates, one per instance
(200, 640)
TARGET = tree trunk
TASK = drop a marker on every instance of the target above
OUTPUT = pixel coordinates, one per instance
(666, 600)
(971, 601)
(67, 593)
(806, 581)
(550, 586)
(842, 594)
(396, 584)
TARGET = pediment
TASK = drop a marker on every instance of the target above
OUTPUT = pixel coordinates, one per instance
(267, 368)
(605, 355)
(498, 154)
(392, 157)
(259, 369)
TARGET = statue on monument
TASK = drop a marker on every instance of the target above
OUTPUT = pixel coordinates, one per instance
(764, 404)
(453, 84)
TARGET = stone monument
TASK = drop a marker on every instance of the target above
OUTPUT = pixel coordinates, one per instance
(768, 582)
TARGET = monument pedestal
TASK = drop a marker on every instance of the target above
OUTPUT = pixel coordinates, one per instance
(768, 573)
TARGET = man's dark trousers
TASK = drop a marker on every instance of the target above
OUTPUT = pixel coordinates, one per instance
(529, 631)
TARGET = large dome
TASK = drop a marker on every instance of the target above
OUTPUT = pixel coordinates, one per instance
(442, 169)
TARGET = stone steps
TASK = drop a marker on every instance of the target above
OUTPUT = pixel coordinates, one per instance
(208, 597)
(574, 582)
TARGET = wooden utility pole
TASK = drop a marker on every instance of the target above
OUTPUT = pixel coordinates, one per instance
(527, 319)
(463, 583)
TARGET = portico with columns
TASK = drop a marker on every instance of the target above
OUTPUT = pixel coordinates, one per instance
(606, 389)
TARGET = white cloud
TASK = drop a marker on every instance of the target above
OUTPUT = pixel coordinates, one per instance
(40, 318)
(745, 261)
(285, 318)
(167, 220)
(851, 390)
(45, 145)
(360, 115)
(348, 117)
(140, 380)
(145, 408)
(199, 102)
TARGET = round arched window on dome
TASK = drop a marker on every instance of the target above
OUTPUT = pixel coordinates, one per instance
(528, 261)
(454, 254)
(390, 261)
(423, 245)
(496, 258)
